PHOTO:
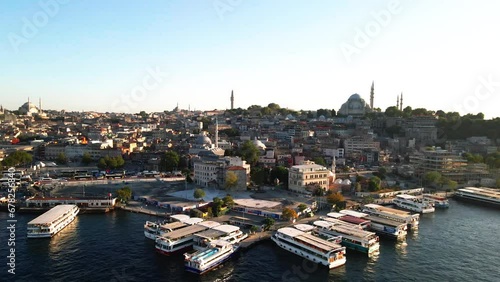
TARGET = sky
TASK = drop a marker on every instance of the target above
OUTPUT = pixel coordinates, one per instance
(129, 56)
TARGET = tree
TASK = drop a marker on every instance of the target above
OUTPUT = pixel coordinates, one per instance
(319, 161)
(268, 222)
(288, 214)
(61, 159)
(217, 206)
(17, 158)
(357, 187)
(120, 162)
(101, 164)
(86, 159)
(393, 111)
(253, 229)
(124, 194)
(374, 184)
(432, 177)
(231, 180)
(199, 194)
(258, 175)
(280, 173)
(228, 201)
(210, 214)
(170, 161)
(249, 152)
(302, 207)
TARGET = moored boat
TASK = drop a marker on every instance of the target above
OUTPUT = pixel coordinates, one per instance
(214, 255)
(310, 247)
(436, 201)
(52, 221)
(479, 195)
(412, 220)
(412, 203)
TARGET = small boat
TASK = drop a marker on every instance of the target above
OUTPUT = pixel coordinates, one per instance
(219, 251)
(436, 201)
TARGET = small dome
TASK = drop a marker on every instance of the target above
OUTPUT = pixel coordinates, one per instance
(259, 144)
(338, 181)
(346, 182)
(202, 140)
(355, 97)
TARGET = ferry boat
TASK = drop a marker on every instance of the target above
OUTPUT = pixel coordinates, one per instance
(362, 222)
(412, 220)
(181, 239)
(352, 238)
(226, 232)
(310, 247)
(412, 203)
(52, 221)
(479, 195)
(436, 201)
(202, 261)
(387, 227)
(154, 229)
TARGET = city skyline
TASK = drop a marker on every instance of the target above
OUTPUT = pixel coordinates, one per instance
(113, 57)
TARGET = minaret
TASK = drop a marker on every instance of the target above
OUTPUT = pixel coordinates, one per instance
(372, 94)
(333, 168)
(401, 102)
(397, 102)
(216, 133)
(232, 100)
(40, 104)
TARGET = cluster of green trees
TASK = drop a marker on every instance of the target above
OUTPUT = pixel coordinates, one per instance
(261, 176)
(453, 126)
(110, 162)
(288, 214)
(338, 200)
(17, 158)
(124, 194)
(170, 161)
(492, 160)
(436, 179)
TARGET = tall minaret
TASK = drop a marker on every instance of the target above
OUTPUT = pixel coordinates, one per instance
(397, 102)
(401, 102)
(216, 133)
(372, 94)
(232, 100)
(40, 104)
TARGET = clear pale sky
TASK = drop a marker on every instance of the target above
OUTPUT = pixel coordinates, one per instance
(89, 55)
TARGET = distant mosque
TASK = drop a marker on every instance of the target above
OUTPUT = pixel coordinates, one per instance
(30, 109)
(356, 106)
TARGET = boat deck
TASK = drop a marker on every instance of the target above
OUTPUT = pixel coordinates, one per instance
(210, 234)
(186, 231)
(173, 225)
(385, 221)
(313, 241)
(389, 210)
(52, 215)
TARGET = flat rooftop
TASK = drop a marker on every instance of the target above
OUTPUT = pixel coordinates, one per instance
(179, 233)
(53, 214)
(258, 204)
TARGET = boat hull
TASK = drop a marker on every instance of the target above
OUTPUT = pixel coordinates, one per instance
(175, 252)
(51, 234)
(211, 266)
(359, 248)
(477, 201)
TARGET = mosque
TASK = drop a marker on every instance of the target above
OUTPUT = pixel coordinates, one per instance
(357, 107)
(30, 109)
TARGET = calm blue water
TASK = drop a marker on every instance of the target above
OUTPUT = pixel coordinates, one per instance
(458, 244)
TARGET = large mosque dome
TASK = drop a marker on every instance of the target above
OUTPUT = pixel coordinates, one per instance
(203, 140)
(355, 106)
(28, 109)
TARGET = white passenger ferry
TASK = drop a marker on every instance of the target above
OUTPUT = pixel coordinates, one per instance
(436, 201)
(412, 203)
(214, 255)
(226, 232)
(412, 220)
(310, 247)
(387, 227)
(179, 240)
(52, 221)
(352, 237)
(154, 229)
(479, 195)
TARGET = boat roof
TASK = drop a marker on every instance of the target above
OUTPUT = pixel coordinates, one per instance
(355, 220)
(173, 225)
(322, 244)
(209, 224)
(482, 191)
(52, 214)
(210, 234)
(335, 214)
(179, 233)
(304, 227)
(227, 228)
(388, 210)
(192, 220)
(385, 221)
(353, 213)
(289, 231)
(322, 223)
(344, 229)
(406, 196)
(179, 217)
(220, 243)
